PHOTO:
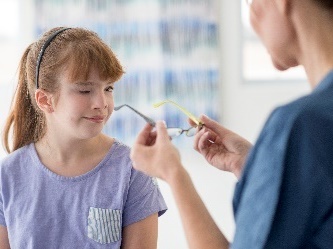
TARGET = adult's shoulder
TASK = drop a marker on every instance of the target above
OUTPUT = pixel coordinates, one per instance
(294, 138)
(310, 108)
(307, 176)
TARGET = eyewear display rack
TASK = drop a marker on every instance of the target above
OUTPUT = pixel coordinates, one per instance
(169, 49)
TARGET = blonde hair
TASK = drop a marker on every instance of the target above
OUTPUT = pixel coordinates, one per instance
(76, 50)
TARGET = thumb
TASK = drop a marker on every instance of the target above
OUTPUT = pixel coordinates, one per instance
(161, 130)
(136, 151)
(213, 125)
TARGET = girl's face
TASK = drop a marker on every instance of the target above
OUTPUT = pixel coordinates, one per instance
(273, 25)
(82, 108)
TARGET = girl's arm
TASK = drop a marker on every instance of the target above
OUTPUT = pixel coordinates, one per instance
(4, 242)
(141, 235)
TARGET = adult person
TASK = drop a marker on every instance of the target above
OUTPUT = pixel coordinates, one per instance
(65, 184)
(284, 197)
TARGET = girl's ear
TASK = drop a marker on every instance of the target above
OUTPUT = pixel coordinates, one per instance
(44, 100)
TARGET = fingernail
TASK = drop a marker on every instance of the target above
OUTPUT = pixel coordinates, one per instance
(164, 123)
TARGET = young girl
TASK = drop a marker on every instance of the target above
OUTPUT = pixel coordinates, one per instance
(64, 183)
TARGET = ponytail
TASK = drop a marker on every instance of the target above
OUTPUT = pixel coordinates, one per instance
(24, 123)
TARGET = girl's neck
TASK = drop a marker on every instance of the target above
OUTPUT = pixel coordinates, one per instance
(72, 158)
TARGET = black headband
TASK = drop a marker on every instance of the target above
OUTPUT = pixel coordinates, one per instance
(41, 53)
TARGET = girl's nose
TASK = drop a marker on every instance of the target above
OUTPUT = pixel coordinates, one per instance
(100, 101)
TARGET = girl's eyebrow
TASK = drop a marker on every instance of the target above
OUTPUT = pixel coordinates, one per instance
(83, 83)
(88, 83)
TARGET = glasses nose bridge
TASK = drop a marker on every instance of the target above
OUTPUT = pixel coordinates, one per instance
(182, 131)
(190, 132)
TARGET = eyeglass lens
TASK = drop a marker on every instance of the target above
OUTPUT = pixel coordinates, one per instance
(175, 132)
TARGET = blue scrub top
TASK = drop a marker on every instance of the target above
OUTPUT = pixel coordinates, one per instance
(284, 198)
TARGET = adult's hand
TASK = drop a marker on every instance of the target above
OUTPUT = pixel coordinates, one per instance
(154, 154)
(221, 147)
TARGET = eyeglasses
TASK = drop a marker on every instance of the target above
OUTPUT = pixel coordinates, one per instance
(197, 121)
(172, 132)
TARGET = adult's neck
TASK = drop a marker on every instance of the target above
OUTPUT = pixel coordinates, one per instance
(313, 26)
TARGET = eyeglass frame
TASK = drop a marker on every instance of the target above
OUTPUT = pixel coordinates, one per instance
(153, 123)
(196, 120)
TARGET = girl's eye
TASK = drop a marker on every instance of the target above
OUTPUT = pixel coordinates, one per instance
(109, 89)
(84, 92)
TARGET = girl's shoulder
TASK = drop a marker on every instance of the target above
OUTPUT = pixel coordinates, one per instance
(22, 153)
(112, 143)
(16, 159)
(120, 151)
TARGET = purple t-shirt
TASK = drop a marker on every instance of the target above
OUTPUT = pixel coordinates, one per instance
(44, 210)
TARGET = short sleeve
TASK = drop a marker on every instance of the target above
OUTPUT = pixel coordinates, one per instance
(256, 194)
(285, 196)
(143, 199)
(2, 215)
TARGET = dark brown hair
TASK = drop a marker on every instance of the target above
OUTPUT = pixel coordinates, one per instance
(76, 50)
(327, 4)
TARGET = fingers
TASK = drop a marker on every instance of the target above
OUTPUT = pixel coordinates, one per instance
(209, 123)
(147, 137)
(162, 134)
(152, 138)
(144, 135)
(141, 141)
(153, 152)
(197, 138)
(214, 126)
(204, 139)
(191, 122)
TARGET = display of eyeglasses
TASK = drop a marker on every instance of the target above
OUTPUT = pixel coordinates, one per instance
(169, 49)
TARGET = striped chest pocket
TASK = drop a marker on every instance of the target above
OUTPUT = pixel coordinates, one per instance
(104, 225)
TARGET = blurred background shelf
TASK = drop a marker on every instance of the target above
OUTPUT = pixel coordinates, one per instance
(168, 49)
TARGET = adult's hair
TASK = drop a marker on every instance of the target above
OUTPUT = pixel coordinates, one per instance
(75, 50)
(327, 4)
